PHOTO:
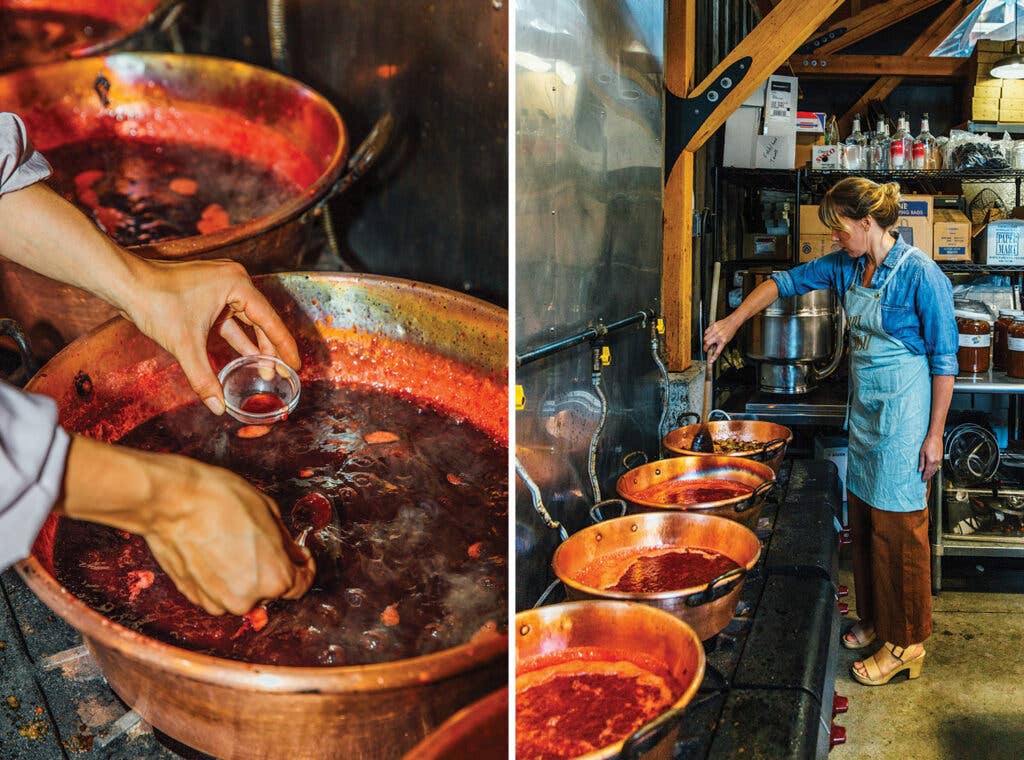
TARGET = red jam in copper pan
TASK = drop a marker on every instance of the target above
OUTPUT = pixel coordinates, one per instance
(578, 700)
(409, 536)
(141, 193)
(30, 36)
(653, 569)
(688, 492)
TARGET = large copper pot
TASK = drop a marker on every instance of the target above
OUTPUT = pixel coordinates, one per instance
(773, 439)
(73, 28)
(745, 508)
(477, 731)
(707, 608)
(200, 101)
(624, 626)
(446, 350)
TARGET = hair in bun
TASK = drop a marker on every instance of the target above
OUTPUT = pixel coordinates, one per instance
(857, 198)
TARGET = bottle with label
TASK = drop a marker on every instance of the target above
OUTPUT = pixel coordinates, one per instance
(855, 147)
(926, 150)
(1015, 349)
(879, 149)
(901, 146)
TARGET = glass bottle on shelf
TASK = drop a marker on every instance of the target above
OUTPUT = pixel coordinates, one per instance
(926, 149)
(901, 146)
(855, 147)
(879, 148)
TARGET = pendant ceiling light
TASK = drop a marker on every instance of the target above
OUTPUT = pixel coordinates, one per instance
(1011, 67)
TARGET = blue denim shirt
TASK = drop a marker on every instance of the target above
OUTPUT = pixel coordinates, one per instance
(917, 308)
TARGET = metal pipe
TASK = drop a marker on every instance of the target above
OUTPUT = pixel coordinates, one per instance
(278, 36)
(591, 334)
(538, 502)
(656, 355)
(595, 381)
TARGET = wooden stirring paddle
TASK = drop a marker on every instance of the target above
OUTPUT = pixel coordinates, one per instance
(703, 441)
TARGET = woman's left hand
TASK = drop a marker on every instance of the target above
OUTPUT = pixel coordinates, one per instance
(178, 303)
(930, 458)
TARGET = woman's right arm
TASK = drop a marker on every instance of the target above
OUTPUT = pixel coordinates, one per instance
(721, 332)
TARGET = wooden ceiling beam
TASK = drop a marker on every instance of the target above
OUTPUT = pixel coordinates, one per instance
(925, 43)
(866, 23)
(879, 65)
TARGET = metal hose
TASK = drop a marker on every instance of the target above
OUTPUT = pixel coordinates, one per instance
(656, 355)
(595, 381)
(538, 502)
(278, 36)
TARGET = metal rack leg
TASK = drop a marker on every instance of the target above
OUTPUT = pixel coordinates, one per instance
(937, 528)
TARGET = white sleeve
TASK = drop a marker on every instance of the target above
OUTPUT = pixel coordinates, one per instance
(20, 164)
(33, 452)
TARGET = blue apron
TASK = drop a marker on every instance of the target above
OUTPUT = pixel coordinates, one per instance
(889, 407)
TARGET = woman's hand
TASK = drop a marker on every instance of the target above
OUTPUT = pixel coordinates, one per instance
(177, 303)
(718, 335)
(220, 540)
(930, 458)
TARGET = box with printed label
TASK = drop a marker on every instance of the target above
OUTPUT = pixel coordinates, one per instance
(810, 121)
(824, 157)
(811, 246)
(1001, 242)
(916, 220)
(833, 448)
(951, 236)
(780, 102)
(761, 245)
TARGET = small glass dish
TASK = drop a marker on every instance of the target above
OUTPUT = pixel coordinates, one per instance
(260, 389)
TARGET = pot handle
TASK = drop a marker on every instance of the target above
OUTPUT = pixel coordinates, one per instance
(645, 738)
(769, 449)
(365, 157)
(547, 592)
(596, 514)
(722, 415)
(729, 580)
(15, 332)
(694, 415)
(642, 455)
(760, 492)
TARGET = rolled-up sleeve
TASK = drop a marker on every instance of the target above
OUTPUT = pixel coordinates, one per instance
(20, 164)
(933, 301)
(33, 452)
(814, 275)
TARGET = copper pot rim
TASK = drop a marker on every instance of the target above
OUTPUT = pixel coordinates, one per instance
(715, 462)
(255, 676)
(614, 750)
(159, 11)
(460, 724)
(300, 203)
(677, 516)
(669, 441)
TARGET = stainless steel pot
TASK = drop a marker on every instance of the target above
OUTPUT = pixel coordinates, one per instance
(797, 341)
(623, 626)
(707, 608)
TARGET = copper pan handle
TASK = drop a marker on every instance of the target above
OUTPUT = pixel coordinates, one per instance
(770, 448)
(694, 415)
(729, 580)
(596, 514)
(547, 592)
(13, 330)
(629, 458)
(758, 493)
(365, 157)
(645, 738)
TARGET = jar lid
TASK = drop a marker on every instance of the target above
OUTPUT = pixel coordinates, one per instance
(975, 315)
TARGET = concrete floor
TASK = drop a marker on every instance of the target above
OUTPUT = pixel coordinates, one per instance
(969, 700)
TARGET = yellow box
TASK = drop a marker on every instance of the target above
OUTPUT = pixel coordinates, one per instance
(951, 236)
(988, 88)
(984, 109)
(1013, 89)
(1011, 113)
(810, 224)
(916, 220)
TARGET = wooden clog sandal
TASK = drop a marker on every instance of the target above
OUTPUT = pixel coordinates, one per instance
(873, 672)
(854, 640)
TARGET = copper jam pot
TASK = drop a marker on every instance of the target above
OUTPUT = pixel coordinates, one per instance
(446, 350)
(707, 608)
(773, 439)
(162, 97)
(744, 509)
(624, 626)
(478, 731)
(118, 21)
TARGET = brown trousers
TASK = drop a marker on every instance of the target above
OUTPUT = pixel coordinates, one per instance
(892, 571)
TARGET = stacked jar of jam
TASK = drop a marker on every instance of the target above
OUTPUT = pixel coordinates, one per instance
(1015, 349)
(975, 352)
(999, 335)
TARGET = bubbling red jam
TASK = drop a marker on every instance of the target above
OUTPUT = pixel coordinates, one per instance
(689, 492)
(142, 193)
(581, 699)
(30, 36)
(408, 536)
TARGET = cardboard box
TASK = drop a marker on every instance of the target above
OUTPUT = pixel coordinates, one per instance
(1001, 242)
(810, 121)
(741, 131)
(833, 448)
(761, 245)
(775, 151)
(1012, 89)
(824, 157)
(810, 247)
(780, 103)
(988, 88)
(805, 142)
(1011, 111)
(810, 224)
(951, 236)
(984, 109)
(916, 220)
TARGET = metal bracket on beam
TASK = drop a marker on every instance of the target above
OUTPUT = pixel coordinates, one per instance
(817, 42)
(684, 116)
